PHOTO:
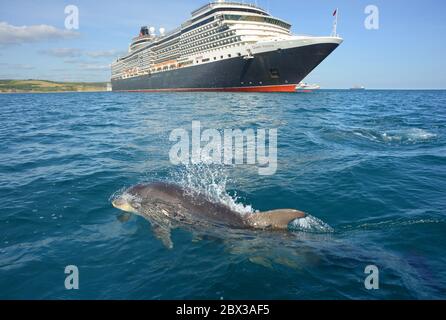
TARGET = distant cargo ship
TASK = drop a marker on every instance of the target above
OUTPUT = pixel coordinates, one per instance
(305, 87)
(358, 88)
(224, 46)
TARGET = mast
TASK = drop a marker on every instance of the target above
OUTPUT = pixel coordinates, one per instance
(335, 23)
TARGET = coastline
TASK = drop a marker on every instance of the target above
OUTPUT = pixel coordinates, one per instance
(47, 86)
(44, 92)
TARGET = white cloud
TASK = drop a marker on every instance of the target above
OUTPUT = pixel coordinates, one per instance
(63, 52)
(94, 66)
(104, 53)
(10, 34)
(17, 66)
(75, 53)
(73, 61)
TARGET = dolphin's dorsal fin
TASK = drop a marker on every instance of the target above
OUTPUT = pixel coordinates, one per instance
(276, 219)
(163, 234)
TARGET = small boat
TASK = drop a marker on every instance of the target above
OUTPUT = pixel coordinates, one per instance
(358, 88)
(305, 87)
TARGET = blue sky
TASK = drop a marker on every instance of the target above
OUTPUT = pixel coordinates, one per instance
(407, 51)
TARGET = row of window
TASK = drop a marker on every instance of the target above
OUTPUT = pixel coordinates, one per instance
(222, 57)
(203, 34)
(230, 9)
(175, 49)
(210, 39)
(144, 61)
(213, 45)
(196, 28)
(195, 42)
(269, 20)
(206, 31)
(134, 71)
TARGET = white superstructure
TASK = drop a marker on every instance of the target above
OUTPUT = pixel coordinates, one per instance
(216, 31)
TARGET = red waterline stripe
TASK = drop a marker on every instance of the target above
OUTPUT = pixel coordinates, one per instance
(278, 88)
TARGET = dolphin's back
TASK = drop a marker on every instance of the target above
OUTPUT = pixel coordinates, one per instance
(199, 206)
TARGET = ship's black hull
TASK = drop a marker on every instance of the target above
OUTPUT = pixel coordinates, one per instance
(274, 71)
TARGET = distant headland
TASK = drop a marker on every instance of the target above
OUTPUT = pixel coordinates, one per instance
(46, 86)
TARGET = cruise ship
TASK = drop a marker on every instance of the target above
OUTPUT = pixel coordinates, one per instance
(224, 46)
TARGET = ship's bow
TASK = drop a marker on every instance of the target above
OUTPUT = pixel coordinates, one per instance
(286, 63)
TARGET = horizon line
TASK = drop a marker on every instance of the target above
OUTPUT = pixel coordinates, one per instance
(328, 88)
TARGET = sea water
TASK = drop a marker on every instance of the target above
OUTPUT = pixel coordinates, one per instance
(369, 167)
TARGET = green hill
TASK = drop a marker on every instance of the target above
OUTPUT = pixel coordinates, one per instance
(38, 86)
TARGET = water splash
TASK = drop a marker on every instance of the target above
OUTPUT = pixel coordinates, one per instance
(211, 181)
(310, 224)
(118, 193)
(124, 195)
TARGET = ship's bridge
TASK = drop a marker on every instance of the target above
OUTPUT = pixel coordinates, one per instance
(213, 6)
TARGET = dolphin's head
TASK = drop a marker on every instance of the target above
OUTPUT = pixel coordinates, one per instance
(148, 195)
(130, 200)
(123, 204)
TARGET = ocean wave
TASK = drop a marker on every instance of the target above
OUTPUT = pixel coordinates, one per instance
(412, 136)
(402, 136)
(389, 224)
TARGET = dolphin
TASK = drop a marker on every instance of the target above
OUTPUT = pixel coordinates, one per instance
(169, 206)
